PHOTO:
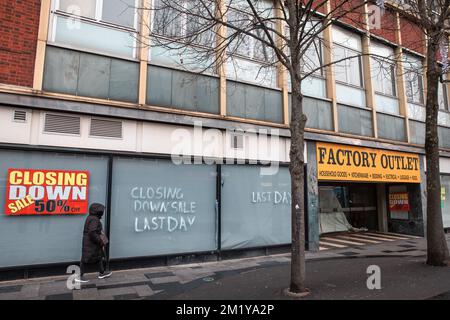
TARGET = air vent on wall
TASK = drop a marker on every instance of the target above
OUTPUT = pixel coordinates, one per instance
(105, 128)
(56, 123)
(237, 141)
(20, 116)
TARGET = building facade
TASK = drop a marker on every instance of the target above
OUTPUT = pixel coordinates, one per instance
(184, 161)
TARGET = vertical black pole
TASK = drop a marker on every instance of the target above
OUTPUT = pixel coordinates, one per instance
(219, 207)
(305, 181)
(108, 206)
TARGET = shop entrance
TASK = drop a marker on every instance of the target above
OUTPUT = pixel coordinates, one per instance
(347, 207)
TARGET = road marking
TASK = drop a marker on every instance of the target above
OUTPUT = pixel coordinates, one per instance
(361, 239)
(344, 241)
(332, 244)
(389, 236)
(366, 236)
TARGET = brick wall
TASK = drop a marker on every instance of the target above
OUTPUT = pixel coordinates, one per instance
(19, 24)
(388, 27)
(350, 12)
(412, 36)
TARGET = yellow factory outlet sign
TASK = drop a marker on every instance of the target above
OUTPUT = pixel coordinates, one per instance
(349, 163)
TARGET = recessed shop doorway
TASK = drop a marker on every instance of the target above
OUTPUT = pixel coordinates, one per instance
(348, 207)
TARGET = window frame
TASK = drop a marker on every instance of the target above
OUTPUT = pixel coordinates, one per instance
(392, 82)
(420, 84)
(183, 28)
(446, 107)
(56, 13)
(98, 15)
(347, 70)
(252, 45)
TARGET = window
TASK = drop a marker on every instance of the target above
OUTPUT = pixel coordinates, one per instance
(349, 69)
(83, 8)
(383, 69)
(347, 50)
(182, 20)
(442, 96)
(313, 56)
(119, 12)
(312, 59)
(250, 59)
(104, 26)
(245, 45)
(181, 38)
(383, 75)
(413, 79)
(414, 86)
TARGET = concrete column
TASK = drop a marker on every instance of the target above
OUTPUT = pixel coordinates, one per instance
(281, 70)
(329, 71)
(382, 208)
(400, 83)
(313, 197)
(44, 18)
(143, 49)
(221, 57)
(423, 194)
(367, 73)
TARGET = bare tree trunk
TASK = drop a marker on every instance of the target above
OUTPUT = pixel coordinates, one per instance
(296, 168)
(437, 251)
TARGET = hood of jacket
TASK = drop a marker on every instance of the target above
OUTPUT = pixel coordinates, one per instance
(97, 209)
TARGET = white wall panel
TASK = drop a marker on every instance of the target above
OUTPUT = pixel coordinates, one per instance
(14, 132)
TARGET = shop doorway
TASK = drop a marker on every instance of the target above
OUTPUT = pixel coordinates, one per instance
(347, 207)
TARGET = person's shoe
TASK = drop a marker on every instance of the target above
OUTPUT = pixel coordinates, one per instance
(81, 280)
(104, 275)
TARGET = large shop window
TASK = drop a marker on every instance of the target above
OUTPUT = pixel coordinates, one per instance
(160, 208)
(445, 200)
(347, 207)
(89, 75)
(42, 239)
(105, 26)
(255, 207)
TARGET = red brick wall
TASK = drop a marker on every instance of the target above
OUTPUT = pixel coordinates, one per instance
(350, 12)
(318, 5)
(388, 27)
(412, 36)
(19, 24)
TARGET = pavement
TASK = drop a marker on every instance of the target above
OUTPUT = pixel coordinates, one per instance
(331, 274)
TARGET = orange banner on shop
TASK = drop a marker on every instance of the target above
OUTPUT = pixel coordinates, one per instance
(348, 163)
(51, 192)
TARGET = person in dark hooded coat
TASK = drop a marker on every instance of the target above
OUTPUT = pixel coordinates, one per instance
(93, 243)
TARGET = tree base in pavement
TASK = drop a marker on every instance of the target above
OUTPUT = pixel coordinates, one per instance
(297, 295)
